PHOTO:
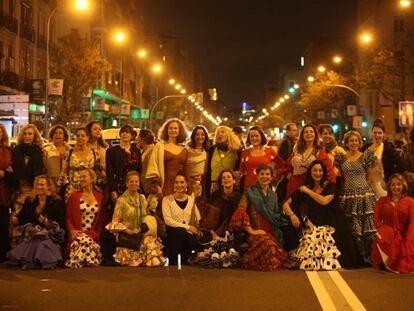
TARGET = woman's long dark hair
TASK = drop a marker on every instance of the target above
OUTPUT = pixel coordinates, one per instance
(193, 137)
(309, 182)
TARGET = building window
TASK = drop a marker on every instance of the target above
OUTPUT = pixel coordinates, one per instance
(399, 23)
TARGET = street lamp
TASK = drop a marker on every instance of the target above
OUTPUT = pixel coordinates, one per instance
(142, 53)
(157, 68)
(171, 81)
(366, 38)
(337, 59)
(405, 4)
(311, 78)
(119, 37)
(80, 5)
(321, 69)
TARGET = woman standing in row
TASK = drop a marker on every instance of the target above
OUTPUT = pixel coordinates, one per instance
(357, 198)
(168, 156)
(257, 154)
(307, 150)
(224, 154)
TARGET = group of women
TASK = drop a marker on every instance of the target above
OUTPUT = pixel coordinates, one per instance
(188, 200)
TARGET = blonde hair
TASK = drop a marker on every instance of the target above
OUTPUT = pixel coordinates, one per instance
(5, 139)
(48, 182)
(232, 140)
(348, 136)
(37, 137)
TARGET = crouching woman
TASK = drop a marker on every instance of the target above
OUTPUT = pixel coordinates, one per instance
(135, 231)
(258, 214)
(85, 219)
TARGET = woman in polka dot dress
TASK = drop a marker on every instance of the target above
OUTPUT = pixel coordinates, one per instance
(316, 250)
(85, 219)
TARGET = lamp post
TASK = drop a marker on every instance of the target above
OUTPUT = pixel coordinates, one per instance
(80, 5)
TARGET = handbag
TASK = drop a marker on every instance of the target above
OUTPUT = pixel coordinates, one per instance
(131, 241)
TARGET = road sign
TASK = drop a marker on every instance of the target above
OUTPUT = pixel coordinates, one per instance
(160, 115)
(321, 115)
(144, 113)
(55, 87)
(405, 113)
(357, 122)
(352, 110)
(334, 113)
(14, 99)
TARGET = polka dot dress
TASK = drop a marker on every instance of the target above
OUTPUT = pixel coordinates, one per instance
(317, 250)
(88, 214)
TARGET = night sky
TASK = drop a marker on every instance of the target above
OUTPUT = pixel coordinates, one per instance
(238, 45)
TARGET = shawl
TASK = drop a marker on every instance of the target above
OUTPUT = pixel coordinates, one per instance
(267, 207)
(33, 168)
(155, 168)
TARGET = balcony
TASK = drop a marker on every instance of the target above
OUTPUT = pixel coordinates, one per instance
(27, 32)
(9, 22)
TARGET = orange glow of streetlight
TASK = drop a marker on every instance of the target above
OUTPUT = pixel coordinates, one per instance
(142, 53)
(119, 36)
(156, 68)
(405, 4)
(311, 78)
(337, 59)
(366, 38)
(171, 81)
(178, 87)
(286, 96)
(183, 91)
(82, 5)
(321, 69)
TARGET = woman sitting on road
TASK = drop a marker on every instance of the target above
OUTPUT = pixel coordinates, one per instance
(181, 217)
(393, 246)
(43, 218)
(259, 214)
(85, 219)
(130, 220)
(309, 208)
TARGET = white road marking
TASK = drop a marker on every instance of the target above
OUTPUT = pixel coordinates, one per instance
(320, 291)
(347, 292)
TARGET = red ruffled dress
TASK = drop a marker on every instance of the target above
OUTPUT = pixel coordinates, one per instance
(393, 245)
(264, 253)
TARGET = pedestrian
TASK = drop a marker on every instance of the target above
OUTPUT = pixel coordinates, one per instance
(393, 246)
(356, 198)
(181, 217)
(388, 162)
(54, 155)
(308, 210)
(224, 154)
(85, 220)
(168, 156)
(5, 190)
(257, 153)
(27, 156)
(286, 146)
(43, 220)
(146, 142)
(260, 216)
(306, 150)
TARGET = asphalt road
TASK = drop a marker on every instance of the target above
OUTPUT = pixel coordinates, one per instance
(194, 288)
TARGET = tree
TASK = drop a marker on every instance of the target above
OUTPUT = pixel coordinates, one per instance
(80, 63)
(327, 91)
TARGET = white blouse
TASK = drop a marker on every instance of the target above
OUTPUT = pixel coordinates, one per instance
(174, 216)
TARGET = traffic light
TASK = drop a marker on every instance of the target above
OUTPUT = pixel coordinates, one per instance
(291, 87)
(364, 124)
(335, 128)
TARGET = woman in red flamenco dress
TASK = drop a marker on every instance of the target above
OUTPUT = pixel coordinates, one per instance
(393, 246)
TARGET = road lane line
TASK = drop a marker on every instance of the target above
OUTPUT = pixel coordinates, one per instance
(347, 292)
(324, 299)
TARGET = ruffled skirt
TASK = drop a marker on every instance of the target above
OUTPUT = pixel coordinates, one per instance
(84, 252)
(316, 250)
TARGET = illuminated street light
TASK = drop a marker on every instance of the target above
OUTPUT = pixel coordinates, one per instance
(142, 53)
(321, 69)
(296, 86)
(178, 86)
(171, 81)
(183, 91)
(82, 5)
(119, 36)
(337, 59)
(311, 78)
(405, 3)
(282, 100)
(366, 38)
(286, 96)
(156, 68)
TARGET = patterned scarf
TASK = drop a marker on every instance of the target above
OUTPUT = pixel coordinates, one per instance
(267, 207)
